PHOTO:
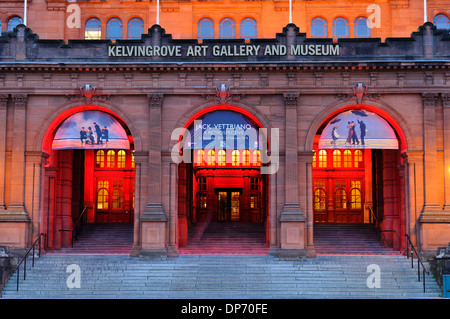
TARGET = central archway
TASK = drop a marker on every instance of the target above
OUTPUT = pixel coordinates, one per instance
(222, 191)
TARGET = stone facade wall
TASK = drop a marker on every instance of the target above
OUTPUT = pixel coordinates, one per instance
(40, 87)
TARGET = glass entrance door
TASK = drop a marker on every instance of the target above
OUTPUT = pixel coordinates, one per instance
(228, 205)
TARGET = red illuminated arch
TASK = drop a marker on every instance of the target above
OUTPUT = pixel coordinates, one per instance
(385, 113)
(213, 108)
(56, 121)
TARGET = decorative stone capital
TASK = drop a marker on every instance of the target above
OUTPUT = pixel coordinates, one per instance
(19, 100)
(429, 99)
(445, 98)
(155, 100)
(4, 100)
(290, 99)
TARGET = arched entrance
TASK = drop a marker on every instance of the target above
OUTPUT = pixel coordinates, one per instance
(221, 191)
(358, 180)
(89, 179)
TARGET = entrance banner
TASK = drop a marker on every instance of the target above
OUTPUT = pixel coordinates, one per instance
(90, 130)
(223, 130)
(358, 129)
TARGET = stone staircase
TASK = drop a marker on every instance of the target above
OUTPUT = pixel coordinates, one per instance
(348, 239)
(99, 238)
(226, 238)
(219, 276)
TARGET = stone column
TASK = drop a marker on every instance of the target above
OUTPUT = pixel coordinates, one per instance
(35, 162)
(154, 219)
(415, 192)
(445, 98)
(140, 197)
(14, 231)
(432, 188)
(3, 119)
(17, 203)
(292, 219)
(305, 159)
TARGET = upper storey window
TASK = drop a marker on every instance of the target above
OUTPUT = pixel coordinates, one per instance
(14, 22)
(93, 29)
(340, 28)
(135, 28)
(441, 21)
(205, 29)
(227, 29)
(362, 29)
(248, 28)
(319, 28)
(114, 29)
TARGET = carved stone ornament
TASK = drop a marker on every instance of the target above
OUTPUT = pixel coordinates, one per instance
(223, 95)
(87, 95)
(359, 94)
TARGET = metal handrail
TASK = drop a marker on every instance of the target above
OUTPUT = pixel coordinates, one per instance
(380, 229)
(75, 227)
(24, 258)
(419, 260)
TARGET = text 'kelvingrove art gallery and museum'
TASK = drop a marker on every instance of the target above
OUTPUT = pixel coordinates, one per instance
(236, 117)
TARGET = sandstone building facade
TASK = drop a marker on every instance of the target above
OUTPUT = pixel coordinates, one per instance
(288, 82)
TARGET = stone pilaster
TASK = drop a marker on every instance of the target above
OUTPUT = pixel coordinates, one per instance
(17, 200)
(292, 218)
(432, 189)
(154, 218)
(3, 119)
(445, 99)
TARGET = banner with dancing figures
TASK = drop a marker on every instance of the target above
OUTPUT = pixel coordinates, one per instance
(90, 130)
(358, 129)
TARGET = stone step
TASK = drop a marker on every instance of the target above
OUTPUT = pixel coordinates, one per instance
(220, 276)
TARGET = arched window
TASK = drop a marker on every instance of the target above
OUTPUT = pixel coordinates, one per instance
(340, 28)
(322, 158)
(347, 158)
(221, 158)
(135, 28)
(114, 29)
(111, 159)
(227, 29)
(100, 159)
(93, 29)
(235, 158)
(14, 22)
(199, 157)
(319, 28)
(133, 165)
(248, 28)
(211, 158)
(362, 29)
(121, 156)
(256, 160)
(441, 21)
(246, 157)
(355, 195)
(358, 158)
(102, 195)
(117, 199)
(337, 158)
(319, 199)
(205, 29)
